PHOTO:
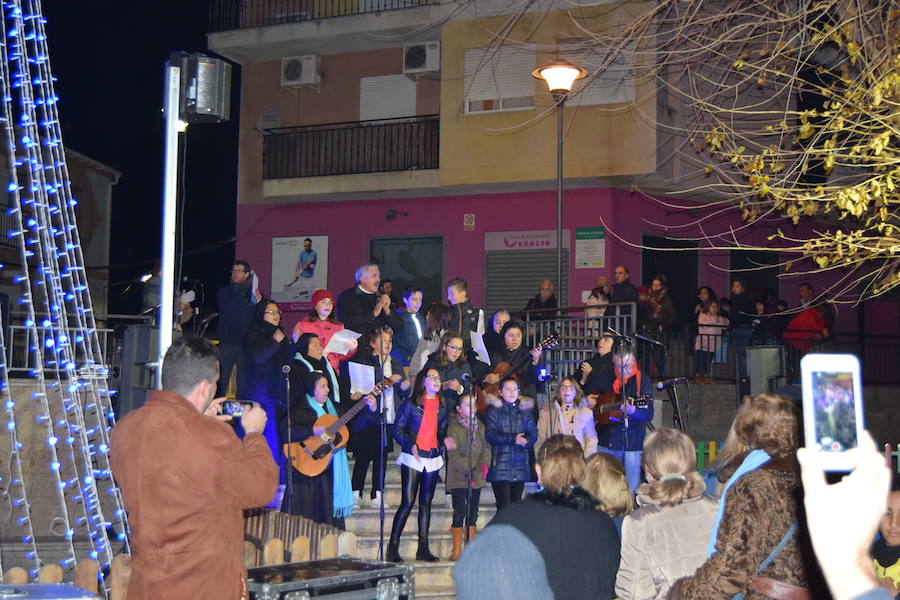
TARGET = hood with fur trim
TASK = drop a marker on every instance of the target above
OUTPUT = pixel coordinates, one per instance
(524, 402)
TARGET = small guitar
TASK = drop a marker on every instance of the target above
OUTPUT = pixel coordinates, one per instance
(312, 455)
(609, 406)
(504, 369)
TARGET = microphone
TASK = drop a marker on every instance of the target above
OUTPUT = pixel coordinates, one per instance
(209, 318)
(649, 341)
(661, 385)
(286, 369)
(467, 378)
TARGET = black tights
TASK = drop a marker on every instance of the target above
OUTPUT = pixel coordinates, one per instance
(411, 483)
(507, 492)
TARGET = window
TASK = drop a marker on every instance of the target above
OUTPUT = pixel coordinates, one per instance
(499, 78)
(386, 97)
(615, 85)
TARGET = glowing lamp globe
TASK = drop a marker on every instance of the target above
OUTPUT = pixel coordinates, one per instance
(560, 75)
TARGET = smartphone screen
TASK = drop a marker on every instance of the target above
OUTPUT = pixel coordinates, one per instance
(834, 407)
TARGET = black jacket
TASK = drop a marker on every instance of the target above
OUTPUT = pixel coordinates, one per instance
(447, 373)
(463, 320)
(265, 380)
(503, 422)
(406, 340)
(235, 314)
(537, 304)
(367, 418)
(354, 310)
(579, 544)
(406, 428)
(601, 376)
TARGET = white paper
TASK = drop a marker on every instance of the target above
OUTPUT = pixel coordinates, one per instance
(254, 285)
(188, 297)
(362, 378)
(478, 346)
(340, 342)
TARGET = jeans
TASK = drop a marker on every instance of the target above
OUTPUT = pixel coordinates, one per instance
(507, 492)
(459, 507)
(631, 459)
(231, 356)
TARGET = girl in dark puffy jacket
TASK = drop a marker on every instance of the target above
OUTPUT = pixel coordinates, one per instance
(511, 431)
(420, 429)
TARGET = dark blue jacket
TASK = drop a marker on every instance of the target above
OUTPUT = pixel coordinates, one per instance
(235, 315)
(451, 397)
(616, 436)
(406, 340)
(406, 428)
(503, 422)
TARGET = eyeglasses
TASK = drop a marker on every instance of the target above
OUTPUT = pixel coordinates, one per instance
(567, 387)
(241, 271)
(452, 347)
(272, 312)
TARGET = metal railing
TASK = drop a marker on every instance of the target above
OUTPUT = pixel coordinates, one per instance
(19, 340)
(405, 144)
(226, 15)
(879, 355)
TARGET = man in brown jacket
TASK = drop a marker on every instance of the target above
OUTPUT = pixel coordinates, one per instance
(185, 478)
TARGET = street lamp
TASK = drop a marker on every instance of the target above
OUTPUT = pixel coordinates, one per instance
(559, 75)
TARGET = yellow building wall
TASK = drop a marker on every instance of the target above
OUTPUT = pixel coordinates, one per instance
(520, 145)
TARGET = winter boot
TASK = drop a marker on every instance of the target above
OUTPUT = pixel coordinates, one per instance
(459, 535)
(423, 553)
(472, 530)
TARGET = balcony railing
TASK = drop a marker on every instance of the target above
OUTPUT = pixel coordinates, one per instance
(225, 15)
(356, 147)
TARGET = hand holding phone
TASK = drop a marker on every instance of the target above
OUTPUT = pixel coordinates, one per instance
(832, 407)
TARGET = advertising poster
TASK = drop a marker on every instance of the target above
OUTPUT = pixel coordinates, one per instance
(299, 268)
(590, 248)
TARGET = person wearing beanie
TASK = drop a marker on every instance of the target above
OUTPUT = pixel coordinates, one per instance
(501, 564)
(322, 322)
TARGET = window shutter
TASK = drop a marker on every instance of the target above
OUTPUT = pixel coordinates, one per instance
(386, 97)
(615, 85)
(499, 78)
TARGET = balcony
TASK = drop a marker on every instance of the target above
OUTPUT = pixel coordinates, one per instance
(389, 145)
(227, 15)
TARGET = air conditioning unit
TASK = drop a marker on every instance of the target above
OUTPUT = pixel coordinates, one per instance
(424, 57)
(297, 71)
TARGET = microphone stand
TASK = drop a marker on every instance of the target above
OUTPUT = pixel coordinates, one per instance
(473, 418)
(289, 475)
(382, 431)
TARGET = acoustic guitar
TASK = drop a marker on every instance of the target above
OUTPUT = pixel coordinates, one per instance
(505, 369)
(312, 455)
(609, 406)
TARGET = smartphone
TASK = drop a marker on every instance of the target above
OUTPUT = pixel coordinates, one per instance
(233, 408)
(832, 406)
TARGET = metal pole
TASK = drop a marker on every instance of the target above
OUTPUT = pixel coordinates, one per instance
(561, 101)
(170, 197)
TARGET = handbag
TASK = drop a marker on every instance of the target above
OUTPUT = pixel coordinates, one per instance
(772, 588)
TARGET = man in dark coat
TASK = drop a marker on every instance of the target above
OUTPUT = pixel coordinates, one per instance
(361, 308)
(544, 301)
(236, 302)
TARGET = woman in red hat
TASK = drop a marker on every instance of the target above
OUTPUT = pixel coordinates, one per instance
(322, 322)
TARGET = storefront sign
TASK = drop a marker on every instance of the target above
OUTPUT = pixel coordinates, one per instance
(543, 239)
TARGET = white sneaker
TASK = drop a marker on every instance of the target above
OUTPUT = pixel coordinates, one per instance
(357, 500)
(376, 501)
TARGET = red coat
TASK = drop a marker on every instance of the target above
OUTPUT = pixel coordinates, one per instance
(323, 329)
(185, 479)
(804, 328)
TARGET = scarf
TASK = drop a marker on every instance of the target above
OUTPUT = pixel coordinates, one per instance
(340, 466)
(468, 424)
(335, 389)
(753, 461)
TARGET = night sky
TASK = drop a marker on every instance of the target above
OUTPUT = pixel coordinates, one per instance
(108, 57)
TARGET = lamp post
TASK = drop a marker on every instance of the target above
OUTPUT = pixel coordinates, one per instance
(559, 75)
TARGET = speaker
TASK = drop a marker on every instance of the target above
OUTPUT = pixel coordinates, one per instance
(136, 376)
(205, 89)
(765, 368)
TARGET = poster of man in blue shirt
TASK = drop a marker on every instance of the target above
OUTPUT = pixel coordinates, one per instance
(306, 262)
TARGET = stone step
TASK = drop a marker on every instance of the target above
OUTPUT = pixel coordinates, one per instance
(392, 471)
(393, 495)
(439, 592)
(434, 574)
(365, 521)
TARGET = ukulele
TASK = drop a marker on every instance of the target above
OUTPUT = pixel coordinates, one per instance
(609, 406)
(504, 369)
(312, 455)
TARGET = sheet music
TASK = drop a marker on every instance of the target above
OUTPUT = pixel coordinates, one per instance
(341, 342)
(362, 378)
(478, 346)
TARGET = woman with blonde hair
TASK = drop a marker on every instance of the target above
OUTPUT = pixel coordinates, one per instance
(667, 535)
(604, 479)
(568, 414)
(753, 548)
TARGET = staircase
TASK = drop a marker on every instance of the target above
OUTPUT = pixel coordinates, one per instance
(433, 580)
